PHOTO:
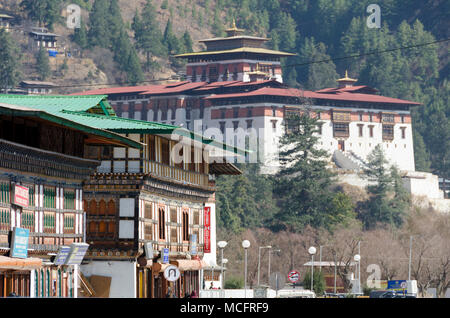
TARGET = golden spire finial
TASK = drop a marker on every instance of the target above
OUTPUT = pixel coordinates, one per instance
(234, 24)
(347, 79)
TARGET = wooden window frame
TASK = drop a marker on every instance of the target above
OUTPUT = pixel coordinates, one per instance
(403, 130)
(151, 148)
(161, 223)
(388, 132)
(341, 129)
(360, 130)
(165, 151)
(185, 225)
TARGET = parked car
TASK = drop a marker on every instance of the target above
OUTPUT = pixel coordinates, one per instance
(389, 294)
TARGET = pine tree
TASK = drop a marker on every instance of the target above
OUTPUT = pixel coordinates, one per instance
(45, 12)
(303, 182)
(316, 75)
(134, 69)
(170, 40)
(99, 34)
(147, 34)
(126, 57)
(421, 156)
(388, 199)
(80, 36)
(43, 64)
(10, 62)
(114, 19)
(217, 26)
(187, 42)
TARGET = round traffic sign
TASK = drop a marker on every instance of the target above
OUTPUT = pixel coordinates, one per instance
(171, 273)
(293, 276)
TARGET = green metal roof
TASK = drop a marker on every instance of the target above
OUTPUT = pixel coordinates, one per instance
(58, 103)
(93, 113)
(118, 124)
(13, 110)
(130, 126)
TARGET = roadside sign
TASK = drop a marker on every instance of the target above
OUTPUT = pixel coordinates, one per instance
(61, 257)
(165, 256)
(398, 285)
(171, 273)
(19, 242)
(293, 276)
(76, 253)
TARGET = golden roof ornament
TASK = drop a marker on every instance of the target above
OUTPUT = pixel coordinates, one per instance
(346, 78)
(233, 31)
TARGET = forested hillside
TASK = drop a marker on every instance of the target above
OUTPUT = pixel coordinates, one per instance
(397, 58)
(131, 42)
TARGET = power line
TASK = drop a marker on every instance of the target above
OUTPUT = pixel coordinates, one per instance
(290, 65)
(368, 53)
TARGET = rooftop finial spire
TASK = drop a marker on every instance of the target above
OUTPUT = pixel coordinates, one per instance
(346, 81)
(234, 31)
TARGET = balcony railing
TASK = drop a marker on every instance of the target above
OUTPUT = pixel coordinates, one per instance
(174, 173)
(16, 156)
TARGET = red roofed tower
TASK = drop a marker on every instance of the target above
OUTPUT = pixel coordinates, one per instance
(236, 57)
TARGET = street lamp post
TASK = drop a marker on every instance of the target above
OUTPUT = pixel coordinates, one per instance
(245, 245)
(320, 258)
(222, 245)
(225, 261)
(268, 271)
(410, 257)
(312, 251)
(259, 258)
(357, 259)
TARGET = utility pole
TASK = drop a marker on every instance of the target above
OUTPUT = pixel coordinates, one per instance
(359, 267)
(410, 257)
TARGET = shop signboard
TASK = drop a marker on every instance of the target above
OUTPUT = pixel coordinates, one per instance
(19, 242)
(193, 244)
(62, 255)
(207, 231)
(76, 253)
(165, 254)
(21, 196)
(148, 247)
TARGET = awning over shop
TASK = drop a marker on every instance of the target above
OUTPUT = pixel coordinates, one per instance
(20, 264)
(189, 265)
(182, 264)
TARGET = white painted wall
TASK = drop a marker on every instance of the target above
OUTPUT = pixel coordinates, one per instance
(399, 151)
(423, 183)
(122, 273)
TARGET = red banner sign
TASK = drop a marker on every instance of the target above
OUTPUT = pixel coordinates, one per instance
(207, 231)
(21, 196)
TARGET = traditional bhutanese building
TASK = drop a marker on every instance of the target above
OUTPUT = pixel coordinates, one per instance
(42, 170)
(236, 57)
(5, 21)
(234, 91)
(41, 38)
(151, 208)
(145, 192)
